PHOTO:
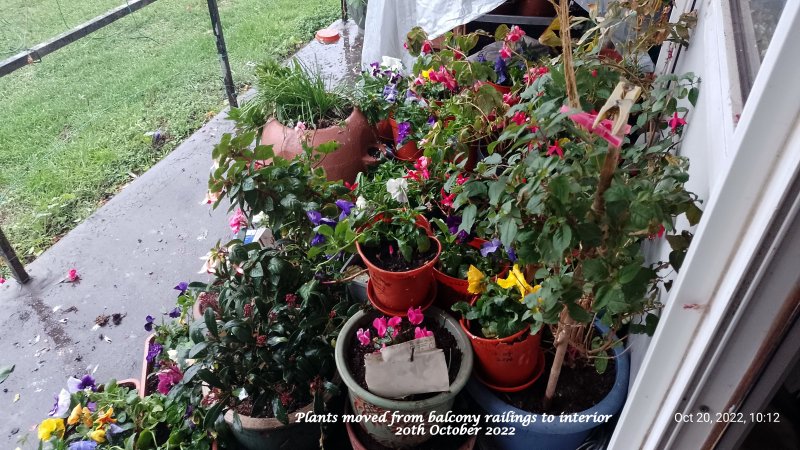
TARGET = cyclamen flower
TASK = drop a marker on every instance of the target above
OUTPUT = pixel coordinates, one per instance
(363, 336)
(403, 130)
(676, 122)
(420, 333)
(345, 206)
(148, 325)
(394, 324)
(169, 377)
(490, 247)
(505, 52)
(182, 287)
(76, 385)
(2, 280)
(380, 326)
(515, 34)
(415, 315)
(237, 221)
(153, 351)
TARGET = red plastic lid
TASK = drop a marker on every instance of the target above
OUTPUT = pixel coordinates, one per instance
(327, 35)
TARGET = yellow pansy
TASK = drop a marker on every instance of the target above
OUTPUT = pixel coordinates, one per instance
(426, 74)
(98, 435)
(517, 279)
(48, 427)
(476, 280)
(80, 413)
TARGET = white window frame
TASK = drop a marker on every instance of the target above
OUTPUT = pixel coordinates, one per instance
(756, 161)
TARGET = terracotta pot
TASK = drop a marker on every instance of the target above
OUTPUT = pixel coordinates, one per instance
(406, 152)
(397, 291)
(130, 383)
(499, 88)
(451, 289)
(354, 139)
(383, 129)
(270, 434)
(508, 362)
(536, 8)
(364, 403)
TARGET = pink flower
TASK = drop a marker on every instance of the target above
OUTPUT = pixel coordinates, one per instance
(594, 73)
(427, 47)
(405, 45)
(603, 129)
(519, 118)
(422, 165)
(534, 73)
(73, 276)
(301, 126)
(510, 99)
(461, 179)
(447, 200)
(363, 336)
(380, 326)
(418, 81)
(445, 77)
(415, 316)
(515, 34)
(2, 280)
(420, 333)
(210, 198)
(676, 122)
(394, 323)
(505, 52)
(555, 149)
(237, 221)
(169, 377)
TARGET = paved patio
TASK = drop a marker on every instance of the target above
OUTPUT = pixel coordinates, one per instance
(129, 254)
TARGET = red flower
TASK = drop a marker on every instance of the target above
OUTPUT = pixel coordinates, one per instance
(519, 118)
(447, 200)
(533, 129)
(73, 276)
(510, 99)
(261, 340)
(676, 122)
(291, 300)
(445, 77)
(427, 47)
(350, 186)
(555, 148)
(515, 34)
(594, 73)
(332, 314)
(248, 310)
(505, 52)
(461, 179)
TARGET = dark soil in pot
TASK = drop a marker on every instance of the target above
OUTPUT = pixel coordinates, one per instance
(393, 261)
(579, 388)
(444, 340)
(327, 122)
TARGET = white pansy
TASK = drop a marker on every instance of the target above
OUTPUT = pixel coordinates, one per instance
(398, 189)
(392, 63)
(361, 203)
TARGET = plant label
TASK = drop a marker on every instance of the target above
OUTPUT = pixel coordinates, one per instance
(413, 367)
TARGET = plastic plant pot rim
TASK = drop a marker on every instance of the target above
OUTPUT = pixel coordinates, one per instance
(346, 336)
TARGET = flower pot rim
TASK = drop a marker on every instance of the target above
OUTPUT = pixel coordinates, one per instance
(483, 395)
(465, 326)
(262, 423)
(430, 263)
(464, 372)
(451, 278)
(352, 115)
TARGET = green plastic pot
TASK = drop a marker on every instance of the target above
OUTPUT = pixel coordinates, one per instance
(362, 402)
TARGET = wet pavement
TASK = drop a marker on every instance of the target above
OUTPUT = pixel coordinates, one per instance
(129, 255)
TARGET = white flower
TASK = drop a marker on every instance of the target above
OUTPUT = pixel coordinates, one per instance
(392, 63)
(259, 219)
(361, 203)
(173, 355)
(398, 189)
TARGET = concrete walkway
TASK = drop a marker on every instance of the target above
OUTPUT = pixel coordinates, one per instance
(129, 254)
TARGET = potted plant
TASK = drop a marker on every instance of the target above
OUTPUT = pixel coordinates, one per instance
(378, 91)
(577, 195)
(366, 333)
(268, 355)
(294, 106)
(410, 122)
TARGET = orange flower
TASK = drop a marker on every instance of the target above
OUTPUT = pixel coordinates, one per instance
(105, 418)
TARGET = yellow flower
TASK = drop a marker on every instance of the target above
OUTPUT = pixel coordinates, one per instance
(98, 435)
(48, 427)
(80, 413)
(105, 418)
(476, 280)
(517, 279)
(426, 74)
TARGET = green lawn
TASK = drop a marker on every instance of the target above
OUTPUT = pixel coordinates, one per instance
(72, 128)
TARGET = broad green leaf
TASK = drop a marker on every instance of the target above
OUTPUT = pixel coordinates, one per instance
(5, 371)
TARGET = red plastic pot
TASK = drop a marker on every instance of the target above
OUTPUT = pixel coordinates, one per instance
(350, 158)
(408, 151)
(497, 87)
(508, 362)
(451, 289)
(395, 292)
(384, 130)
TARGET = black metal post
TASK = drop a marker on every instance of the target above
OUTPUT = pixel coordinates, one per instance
(7, 252)
(216, 26)
(344, 11)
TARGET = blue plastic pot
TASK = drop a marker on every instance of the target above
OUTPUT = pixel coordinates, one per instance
(555, 435)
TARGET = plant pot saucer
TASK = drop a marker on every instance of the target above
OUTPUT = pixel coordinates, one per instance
(521, 387)
(391, 312)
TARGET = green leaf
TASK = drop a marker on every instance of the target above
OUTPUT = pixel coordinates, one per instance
(262, 152)
(562, 238)
(508, 231)
(594, 270)
(559, 187)
(693, 214)
(496, 189)
(468, 218)
(279, 411)
(199, 350)
(693, 94)
(423, 243)
(628, 273)
(212, 415)
(578, 313)
(601, 363)
(328, 147)
(210, 318)
(5, 371)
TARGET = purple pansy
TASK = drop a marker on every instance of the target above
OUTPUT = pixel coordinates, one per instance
(376, 68)
(75, 385)
(148, 325)
(61, 404)
(92, 406)
(512, 255)
(318, 239)
(175, 313)
(431, 121)
(490, 247)
(345, 206)
(403, 130)
(83, 445)
(316, 218)
(182, 286)
(153, 351)
(500, 68)
(390, 93)
(481, 58)
(462, 237)
(453, 222)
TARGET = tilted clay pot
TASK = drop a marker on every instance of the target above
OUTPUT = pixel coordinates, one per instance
(355, 138)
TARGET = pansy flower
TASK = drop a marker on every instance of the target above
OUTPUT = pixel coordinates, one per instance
(345, 206)
(61, 405)
(182, 287)
(318, 239)
(148, 324)
(76, 385)
(501, 69)
(83, 445)
(153, 351)
(490, 247)
(476, 279)
(175, 313)
(403, 130)
(516, 279)
(50, 427)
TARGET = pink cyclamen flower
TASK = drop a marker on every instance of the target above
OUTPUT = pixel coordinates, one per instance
(415, 316)
(676, 122)
(363, 336)
(420, 333)
(555, 149)
(169, 377)
(380, 326)
(515, 34)
(519, 118)
(237, 221)
(505, 52)
(73, 276)
(427, 47)
(394, 324)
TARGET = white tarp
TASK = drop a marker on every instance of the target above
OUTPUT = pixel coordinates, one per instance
(388, 22)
